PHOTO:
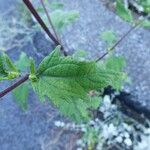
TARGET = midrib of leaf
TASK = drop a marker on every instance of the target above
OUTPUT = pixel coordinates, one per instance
(64, 89)
(48, 73)
(77, 80)
(61, 63)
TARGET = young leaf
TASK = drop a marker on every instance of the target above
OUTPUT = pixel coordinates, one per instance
(53, 6)
(8, 70)
(116, 64)
(23, 62)
(32, 66)
(123, 12)
(146, 24)
(56, 5)
(32, 76)
(80, 54)
(109, 37)
(9, 64)
(67, 81)
(21, 95)
(2, 69)
(61, 19)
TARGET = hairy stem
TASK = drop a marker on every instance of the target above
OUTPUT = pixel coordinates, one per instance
(15, 85)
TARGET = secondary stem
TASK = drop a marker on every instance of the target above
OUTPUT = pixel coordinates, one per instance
(117, 43)
(122, 38)
(15, 85)
(49, 20)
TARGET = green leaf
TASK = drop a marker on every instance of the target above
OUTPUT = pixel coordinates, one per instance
(23, 63)
(61, 19)
(9, 64)
(32, 75)
(145, 4)
(91, 137)
(8, 70)
(123, 12)
(67, 82)
(56, 5)
(2, 68)
(77, 109)
(32, 66)
(21, 95)
(146, 24)
(80, 54)
(116, 64)
(95, 102)
(108, 36)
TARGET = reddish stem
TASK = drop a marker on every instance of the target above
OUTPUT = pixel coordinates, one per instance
(15, 85)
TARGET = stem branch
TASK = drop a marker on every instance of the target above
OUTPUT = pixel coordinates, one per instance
(117, 43)
(43, 25)
(123, 37)
(15, 85)
(39, 19)
(49, 20)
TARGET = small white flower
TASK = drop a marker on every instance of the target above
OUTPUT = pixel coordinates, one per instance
(107, 101)
(147, 131)
(126, 135)
(59, 124)
(119, 139)
(127, 127)
(128, 142)
(109, 131)
(96, 120)
(102, 109)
